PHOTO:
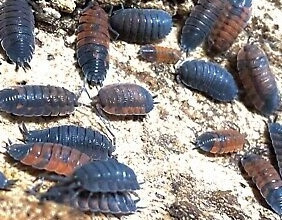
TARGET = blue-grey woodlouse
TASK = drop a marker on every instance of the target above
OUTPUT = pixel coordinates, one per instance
(141, 26)
(275, 133)
(266, 179)
(92, 44)
(104, 176)
(112, 203)
(91, 142)
(199, 23)
(38, 100)
(209, 78)
(5, 184)
(258, 80)
(17, 31)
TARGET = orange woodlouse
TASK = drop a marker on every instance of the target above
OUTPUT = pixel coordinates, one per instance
(266, 178)
(221, 141)
(49, 156)
(159, 54)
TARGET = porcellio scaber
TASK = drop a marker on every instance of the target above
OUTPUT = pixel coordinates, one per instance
(229, 24)
(257, 79)
(199, 23)
(112, 203)
(124, 99)
(103, 176)
(141, 26)
(49, 156)
(209, 78)
(92, 44)
(17, 31)
(159, 54)
(221, 141)
(91, 142)
(37, 100)
(266, 179)
(5, 184)
(275, 133)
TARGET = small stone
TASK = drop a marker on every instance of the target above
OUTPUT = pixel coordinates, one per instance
(67, 6)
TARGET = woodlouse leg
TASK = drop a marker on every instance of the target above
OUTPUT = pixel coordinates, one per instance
(115, 33)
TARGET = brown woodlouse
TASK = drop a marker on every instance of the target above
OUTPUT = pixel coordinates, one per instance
(159, 54)
(92, 44)
(124, 99)
(266, 178)
(49, 156)
(257, 79)
(37, 100)
(113, 203)
(229, 24)
(221, 141)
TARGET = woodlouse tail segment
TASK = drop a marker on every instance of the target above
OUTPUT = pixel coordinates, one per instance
(9, 184)
(24, 131)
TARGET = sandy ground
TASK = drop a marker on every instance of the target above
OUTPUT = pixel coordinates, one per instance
(180, 183)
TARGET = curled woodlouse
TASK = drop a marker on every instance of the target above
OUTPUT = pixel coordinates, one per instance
(88, 141)
(113, 203)
(92, 44)
(124, 99)
(229, 24)
(266, 178)
(103, 176)
(37, 100)
(5, 184)
(275, 132)
(209, 78)
(221, 141)
(159, 54)
(141, 26)
(49, 156)
(199, 23)
(257, 79)
(16, 31)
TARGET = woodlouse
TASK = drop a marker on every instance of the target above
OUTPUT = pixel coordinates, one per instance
(199, 23)
(159, 54)
(91, 142)
(275, 132)
(48, 156)
(229, 24)
(37, 100)
(124, 99)
(209, 78)
(112, 203)
(266, 178)
(92, 44)
(221, 141)
(5, 184)
(17, 31)
(141, 26)
(257, 79)
(103, 176)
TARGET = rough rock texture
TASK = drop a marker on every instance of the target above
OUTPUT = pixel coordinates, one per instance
(180, 183)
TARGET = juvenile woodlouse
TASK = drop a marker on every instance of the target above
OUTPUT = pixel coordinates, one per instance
(199, 23)
(124, 99)
(5, 184)
(92, 44)
(209, 78)
(275, 132)
(229, 24)
(257, 79)
(49, 156)
(112, 203)
(266, 178)
(141, 26)
(88, 141)
(17, 31)
(221, 141)
(159, 54)
(37, 100)
(103, 176)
